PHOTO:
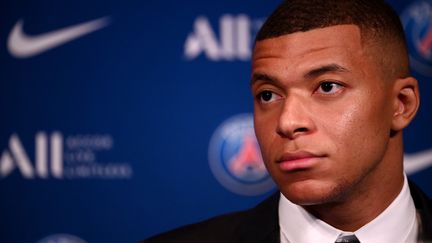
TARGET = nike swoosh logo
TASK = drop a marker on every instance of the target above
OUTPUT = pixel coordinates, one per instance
(21, 45)
(416, 162)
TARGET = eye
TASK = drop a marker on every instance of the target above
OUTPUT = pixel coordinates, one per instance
(329, 88)
(267, 96)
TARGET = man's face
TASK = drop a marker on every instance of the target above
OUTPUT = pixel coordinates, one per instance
(322, 113)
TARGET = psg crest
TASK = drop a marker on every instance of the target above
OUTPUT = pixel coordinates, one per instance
(417, 21)
(235, 158)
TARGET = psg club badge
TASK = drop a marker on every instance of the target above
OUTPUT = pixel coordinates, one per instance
(235, 158)
(417, 21)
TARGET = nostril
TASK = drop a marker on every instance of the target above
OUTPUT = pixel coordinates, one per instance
(292, 134)
(301, 129)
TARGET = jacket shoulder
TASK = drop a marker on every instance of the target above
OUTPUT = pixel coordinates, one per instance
(216, 229)
(231, 227)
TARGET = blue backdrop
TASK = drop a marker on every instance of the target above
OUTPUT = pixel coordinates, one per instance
(122, 119)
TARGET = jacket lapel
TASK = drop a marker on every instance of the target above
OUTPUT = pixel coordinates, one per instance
(424, 208)
(261, 225)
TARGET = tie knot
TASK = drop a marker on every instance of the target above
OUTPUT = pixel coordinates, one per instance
(347, 239)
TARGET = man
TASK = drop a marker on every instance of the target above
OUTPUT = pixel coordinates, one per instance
(332, 94)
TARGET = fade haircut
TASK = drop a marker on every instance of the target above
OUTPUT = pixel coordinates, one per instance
(376, 20)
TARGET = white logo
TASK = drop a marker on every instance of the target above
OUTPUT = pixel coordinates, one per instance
(20, 45)
(234, 43)
(22, 161)
(414, 163)
(72, 157)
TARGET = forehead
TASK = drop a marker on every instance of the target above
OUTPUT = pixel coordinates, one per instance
(341, 44)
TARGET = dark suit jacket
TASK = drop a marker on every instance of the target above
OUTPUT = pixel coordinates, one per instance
(261, 224)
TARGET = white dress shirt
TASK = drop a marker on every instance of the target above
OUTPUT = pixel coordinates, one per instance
(397, 223)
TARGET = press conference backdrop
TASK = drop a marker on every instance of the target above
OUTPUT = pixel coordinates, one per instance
(122, 119)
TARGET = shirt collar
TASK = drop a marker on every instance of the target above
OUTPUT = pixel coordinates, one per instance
(399, 218)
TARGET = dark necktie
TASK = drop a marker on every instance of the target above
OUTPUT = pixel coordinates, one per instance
(347, 239)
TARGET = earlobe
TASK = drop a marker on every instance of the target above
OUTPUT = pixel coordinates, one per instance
(407, 101)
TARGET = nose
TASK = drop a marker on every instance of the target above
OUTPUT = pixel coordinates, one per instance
(295, 118)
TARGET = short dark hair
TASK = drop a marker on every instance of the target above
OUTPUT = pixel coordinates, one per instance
(375, 19)
(303, 15)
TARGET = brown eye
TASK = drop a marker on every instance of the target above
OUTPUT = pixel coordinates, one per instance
(329, 88)
(267, 96)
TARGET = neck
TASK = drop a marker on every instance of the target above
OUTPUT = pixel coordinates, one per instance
(369, 197)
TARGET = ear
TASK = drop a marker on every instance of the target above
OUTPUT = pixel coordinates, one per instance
(406, 102)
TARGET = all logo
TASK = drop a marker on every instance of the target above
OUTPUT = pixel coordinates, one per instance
(235, 158)
(417, 21)
(234, 42)
(16, 157)
(59, 157)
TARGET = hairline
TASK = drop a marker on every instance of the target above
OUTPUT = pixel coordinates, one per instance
(369, 39)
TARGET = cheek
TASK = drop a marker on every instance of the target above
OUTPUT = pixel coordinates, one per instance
(360, 133)
(339, 122)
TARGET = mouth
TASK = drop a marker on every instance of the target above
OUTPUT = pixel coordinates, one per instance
(300, 160)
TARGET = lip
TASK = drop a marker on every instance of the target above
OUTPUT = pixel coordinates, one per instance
(300, 160)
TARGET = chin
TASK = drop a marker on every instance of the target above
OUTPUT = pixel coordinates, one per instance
(306, 193)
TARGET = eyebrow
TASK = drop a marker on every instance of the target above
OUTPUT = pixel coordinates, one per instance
(330, 68)
(262, 77)
(316, 72)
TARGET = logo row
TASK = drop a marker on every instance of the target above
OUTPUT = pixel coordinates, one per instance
(230, 39)
(234, 158)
